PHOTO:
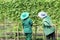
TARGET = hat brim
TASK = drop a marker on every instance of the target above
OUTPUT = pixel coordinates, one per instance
(22, 17)
(42, 16)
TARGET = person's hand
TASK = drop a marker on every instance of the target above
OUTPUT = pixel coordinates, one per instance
(53, 25)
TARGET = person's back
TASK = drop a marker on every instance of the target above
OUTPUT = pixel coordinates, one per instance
(27, 25)
(48, 29)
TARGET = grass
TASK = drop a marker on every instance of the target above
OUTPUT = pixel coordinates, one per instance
(37, 38)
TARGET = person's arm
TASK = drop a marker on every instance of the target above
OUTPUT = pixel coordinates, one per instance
(23, 24)
(47, 23)
(31, 23)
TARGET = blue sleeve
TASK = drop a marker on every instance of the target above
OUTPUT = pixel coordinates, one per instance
(31, 23)
(23, 24)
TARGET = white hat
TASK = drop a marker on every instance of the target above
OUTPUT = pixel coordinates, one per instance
(42, 14)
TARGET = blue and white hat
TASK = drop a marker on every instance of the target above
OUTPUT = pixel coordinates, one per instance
(42, 14)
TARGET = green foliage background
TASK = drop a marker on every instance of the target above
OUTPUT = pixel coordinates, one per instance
(10, 10)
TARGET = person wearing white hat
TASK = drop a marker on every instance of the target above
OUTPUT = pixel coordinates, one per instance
(49, 30)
